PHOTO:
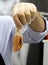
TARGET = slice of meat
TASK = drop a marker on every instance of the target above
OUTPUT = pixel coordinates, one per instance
(17, 41)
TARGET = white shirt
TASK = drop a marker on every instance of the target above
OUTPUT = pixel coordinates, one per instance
(7, 31)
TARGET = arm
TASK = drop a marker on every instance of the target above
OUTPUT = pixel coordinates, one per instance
(25, 12)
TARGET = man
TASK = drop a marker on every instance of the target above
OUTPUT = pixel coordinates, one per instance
(35, 31)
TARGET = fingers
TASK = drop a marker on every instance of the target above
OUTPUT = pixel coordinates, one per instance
(23, 13)
(22, 18)
(17, 22)
(27, 15)
(30, 15)
(33, 11)
(33, 15)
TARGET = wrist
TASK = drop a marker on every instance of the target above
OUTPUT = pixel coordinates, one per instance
(38, 23)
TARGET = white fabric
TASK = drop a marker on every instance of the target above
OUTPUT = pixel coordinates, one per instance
(7, 30)
(16, 60)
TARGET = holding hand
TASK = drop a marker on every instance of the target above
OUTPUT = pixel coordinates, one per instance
(23, 13)
(27, 13)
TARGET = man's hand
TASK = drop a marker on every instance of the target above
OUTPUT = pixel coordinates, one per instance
(24, 13)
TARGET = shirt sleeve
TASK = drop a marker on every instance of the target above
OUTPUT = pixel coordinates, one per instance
(31, 36)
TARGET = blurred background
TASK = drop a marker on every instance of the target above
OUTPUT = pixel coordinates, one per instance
(30, 54)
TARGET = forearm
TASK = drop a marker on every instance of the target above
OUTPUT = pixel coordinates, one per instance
(38, 24)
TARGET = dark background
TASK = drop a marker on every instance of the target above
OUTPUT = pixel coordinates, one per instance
(42, 5)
